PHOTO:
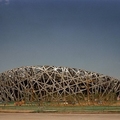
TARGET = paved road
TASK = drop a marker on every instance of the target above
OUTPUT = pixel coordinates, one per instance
(48, 116)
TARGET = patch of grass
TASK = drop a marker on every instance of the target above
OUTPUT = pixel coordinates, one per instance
(48, 108)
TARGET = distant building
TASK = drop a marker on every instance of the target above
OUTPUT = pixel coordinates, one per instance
(35, 83)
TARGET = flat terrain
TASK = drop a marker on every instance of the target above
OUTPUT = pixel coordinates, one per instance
(60, 109)
(51, 116)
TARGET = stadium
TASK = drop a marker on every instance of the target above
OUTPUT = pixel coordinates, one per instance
(51, 83)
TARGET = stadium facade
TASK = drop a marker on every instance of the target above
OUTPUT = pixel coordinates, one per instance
(35, 83)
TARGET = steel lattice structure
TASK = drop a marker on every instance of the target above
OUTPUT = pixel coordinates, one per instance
(41, 82)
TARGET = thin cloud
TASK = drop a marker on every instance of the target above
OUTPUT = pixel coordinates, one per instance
(7, 2)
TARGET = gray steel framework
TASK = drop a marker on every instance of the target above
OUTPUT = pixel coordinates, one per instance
(33, 83)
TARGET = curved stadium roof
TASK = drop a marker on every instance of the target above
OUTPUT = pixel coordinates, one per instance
(41, 82)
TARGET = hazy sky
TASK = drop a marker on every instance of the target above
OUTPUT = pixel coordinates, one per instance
(83, 34)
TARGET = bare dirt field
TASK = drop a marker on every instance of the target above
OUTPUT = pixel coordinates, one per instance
(51, 116)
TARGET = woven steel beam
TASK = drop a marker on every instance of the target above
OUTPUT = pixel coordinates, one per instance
(35, 83)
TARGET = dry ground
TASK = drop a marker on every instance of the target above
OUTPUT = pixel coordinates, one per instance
(50, 116)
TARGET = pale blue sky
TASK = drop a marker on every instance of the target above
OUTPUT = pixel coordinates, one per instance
(75, 33)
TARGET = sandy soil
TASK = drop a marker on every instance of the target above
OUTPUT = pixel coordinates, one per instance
(50, 116)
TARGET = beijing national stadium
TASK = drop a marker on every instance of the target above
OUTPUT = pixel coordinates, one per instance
(51, 83)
